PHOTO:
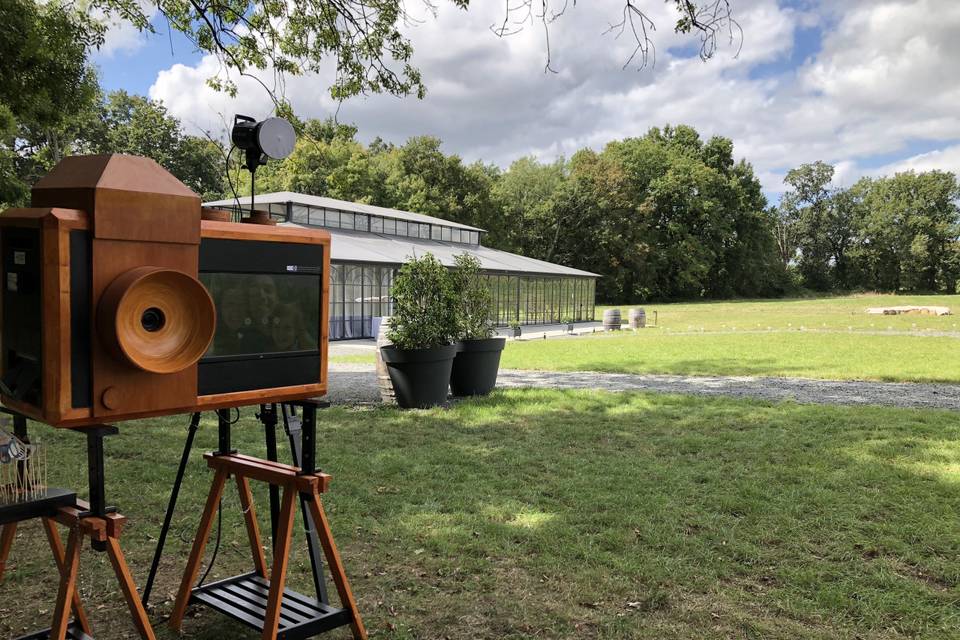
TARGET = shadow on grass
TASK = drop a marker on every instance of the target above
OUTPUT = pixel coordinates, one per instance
(582, 514)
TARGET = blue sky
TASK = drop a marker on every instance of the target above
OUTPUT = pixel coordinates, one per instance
(867, 85)
(135, 70)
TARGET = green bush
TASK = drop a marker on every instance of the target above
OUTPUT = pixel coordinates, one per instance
(424, 313)
(474, 302)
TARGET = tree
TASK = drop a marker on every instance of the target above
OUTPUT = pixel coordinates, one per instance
(752, 265)
(524, 194)
(808, 197)
(44, 80)
(136, 125)
(908, 230)
(810, 182)
(840, 225)
(44, 76)
(783, 219)
(664, 216)
(420, 177)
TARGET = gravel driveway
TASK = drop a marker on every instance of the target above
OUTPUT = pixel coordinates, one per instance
(357, 384)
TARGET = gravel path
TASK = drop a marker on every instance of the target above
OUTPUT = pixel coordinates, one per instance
(352, 384)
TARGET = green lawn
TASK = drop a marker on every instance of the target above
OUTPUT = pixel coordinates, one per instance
(828, 338)
(781, 354)
(574, 515)
(834, 313)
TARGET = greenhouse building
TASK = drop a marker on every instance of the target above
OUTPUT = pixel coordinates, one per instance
(370, 243)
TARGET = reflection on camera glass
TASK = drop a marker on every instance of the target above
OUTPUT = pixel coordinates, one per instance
(260, 313)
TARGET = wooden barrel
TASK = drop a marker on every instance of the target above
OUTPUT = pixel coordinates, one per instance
(611, 320)
(637, 318)
(387, 395)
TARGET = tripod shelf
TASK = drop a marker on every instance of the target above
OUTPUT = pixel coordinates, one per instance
(264, 603)
(245, 598)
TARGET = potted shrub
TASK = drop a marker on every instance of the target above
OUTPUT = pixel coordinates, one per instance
(423, 329)
(516, 328)
(478, 358)
(569, 322)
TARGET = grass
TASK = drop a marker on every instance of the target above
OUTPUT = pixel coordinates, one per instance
(798, 354)
(827, 338)
(359, 358)
(841, 313)
(573, 515)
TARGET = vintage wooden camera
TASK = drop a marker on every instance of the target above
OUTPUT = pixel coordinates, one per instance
(119, 301)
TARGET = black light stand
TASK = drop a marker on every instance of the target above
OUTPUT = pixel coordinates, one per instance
(171, 505)
(268, 417)
(95, 475)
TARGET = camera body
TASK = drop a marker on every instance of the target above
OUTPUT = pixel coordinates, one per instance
(119, 301)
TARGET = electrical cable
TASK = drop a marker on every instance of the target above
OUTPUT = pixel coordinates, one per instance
(236, 198)
(216, 546)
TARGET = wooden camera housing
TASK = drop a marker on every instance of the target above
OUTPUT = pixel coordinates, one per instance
(119, 301)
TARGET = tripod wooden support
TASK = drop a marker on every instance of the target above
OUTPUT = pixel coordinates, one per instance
(263, 605)
(105, 530)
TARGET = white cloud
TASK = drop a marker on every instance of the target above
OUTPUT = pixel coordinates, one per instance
(946, 159)
(121, 36)
(883, 78)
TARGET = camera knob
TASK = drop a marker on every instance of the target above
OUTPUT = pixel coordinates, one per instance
(110, 398)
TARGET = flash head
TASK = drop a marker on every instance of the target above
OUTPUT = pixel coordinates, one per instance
(272, 138)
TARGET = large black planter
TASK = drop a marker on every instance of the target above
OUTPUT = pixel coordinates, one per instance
(420, 377)
(475, 367)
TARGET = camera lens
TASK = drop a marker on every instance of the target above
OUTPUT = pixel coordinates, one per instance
(152, 319)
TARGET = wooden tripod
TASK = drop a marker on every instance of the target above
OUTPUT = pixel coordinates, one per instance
(104, 530)
(250, 598)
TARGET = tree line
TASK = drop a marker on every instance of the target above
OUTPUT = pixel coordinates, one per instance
(896, 233)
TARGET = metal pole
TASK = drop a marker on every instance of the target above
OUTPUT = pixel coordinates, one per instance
(171, 505)
(268, 416)
(308, 464)
(95, 475)
(223, 433)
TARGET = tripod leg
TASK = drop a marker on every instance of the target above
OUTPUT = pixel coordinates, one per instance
(336, 569)
(59, 555)
(8, 533)
(129, 589)
(171, 505)
(68, 584)
(196, 554)
(253, 528)
(281, 556)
